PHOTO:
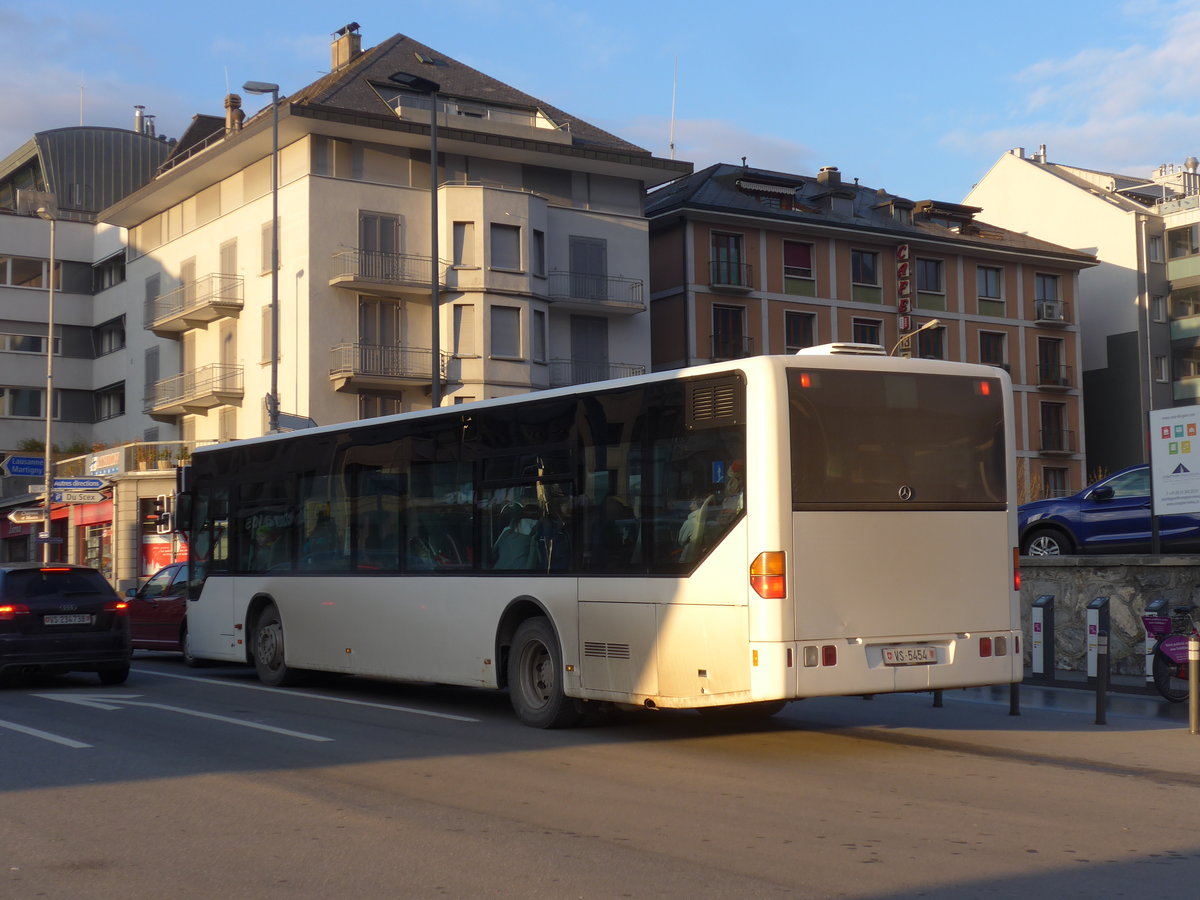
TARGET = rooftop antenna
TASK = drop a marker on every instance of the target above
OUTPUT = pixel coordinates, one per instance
(81, 104)
(674, 86)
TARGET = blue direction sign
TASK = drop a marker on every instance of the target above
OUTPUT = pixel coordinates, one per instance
(25, 466)
(77, 484)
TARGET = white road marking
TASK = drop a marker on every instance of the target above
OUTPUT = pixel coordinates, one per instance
(44, 735)
(111, 701)
(291, 693)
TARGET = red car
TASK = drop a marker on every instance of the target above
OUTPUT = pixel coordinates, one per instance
(158, 612)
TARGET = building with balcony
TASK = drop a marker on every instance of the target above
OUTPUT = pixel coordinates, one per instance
(1141, 322)
(747, 261)
(539, 264)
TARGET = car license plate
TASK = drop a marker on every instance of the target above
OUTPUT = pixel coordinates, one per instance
(909, 656)
(74, 619)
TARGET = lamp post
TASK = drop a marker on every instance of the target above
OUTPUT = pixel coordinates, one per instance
(425, 86)
(266, 87)
(47, 211)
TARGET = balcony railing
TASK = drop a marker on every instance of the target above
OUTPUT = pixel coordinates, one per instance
(358, 365)
(375, 269)
(197, 390)
(727, 274)
(132, 457)
(592, 291)
(565, 372)
(727, 346)
(1055, 440)
(1054, 377)
(196, 303)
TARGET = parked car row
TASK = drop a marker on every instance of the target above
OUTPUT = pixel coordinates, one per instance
(1111, 516)
(58, 618)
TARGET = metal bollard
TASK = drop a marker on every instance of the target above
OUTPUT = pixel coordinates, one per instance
(1102, 678)
(1194, 684)
(1014, 699)
(937, 699)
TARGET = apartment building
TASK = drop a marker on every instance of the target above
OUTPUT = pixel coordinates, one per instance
(747, 261)
(1141, 322)
(539, 272)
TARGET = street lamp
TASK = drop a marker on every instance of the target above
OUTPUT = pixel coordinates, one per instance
(47, 211)
(266, 87)
(425, 86)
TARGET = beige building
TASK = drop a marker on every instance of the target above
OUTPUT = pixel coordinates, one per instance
(748, 261)
(1141, 317)
(540, 269)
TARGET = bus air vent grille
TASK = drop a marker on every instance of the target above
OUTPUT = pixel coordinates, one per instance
(604, 650)
(716, 402)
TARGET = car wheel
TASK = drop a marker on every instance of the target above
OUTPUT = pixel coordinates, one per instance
(114, 675)
(1045, 542)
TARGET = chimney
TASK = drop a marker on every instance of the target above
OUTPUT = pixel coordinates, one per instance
(1040, 156)
(233, 113)
(150, 126)
(139, 119)
(829, 176)
(347, 44)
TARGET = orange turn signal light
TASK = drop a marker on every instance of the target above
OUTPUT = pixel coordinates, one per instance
(768, 575)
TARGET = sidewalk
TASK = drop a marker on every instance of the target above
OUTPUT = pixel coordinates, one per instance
(1144, 735)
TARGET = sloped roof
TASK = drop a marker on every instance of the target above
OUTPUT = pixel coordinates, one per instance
(716, 189)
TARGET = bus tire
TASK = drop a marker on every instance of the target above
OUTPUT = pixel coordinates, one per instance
(269, 659)
(185, 646)
(535, 678)
(743, 712)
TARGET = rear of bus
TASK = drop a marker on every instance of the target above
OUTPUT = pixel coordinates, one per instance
(901, 566)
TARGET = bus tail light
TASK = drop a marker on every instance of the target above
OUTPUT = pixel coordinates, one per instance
(985, 647)
(1016, 569)
(767, 575)
(829, 655)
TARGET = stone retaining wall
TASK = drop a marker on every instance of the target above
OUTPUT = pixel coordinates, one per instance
(1129, 582)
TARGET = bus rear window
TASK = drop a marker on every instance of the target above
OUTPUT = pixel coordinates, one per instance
(895, 440)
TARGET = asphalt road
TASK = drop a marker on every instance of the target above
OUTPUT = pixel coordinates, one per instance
(203, 783)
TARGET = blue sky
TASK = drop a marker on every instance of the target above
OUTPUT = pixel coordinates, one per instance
(917, 97)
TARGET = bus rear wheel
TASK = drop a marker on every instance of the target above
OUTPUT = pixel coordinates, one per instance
(535, 673)
(268, 650)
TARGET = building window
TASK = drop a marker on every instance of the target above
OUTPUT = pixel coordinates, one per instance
(538, 252)
(1054, 434)
(1162, 369)
(24, 403)
(268, 245)
(28, 343)
(539, 336)
(931, 343)
(799, 329)
(110, 402)
(109, 337)
(1158, 308)
(371, 406)
(1183, 241)
(1154, 248)
(1055, 483)
(988, 283)
(725, 264)
(1051, 370)
(108, 272)
(864, 267)
(464, 330)
(929, 276)
(798, 269)
(1045, 287)
(464, 244)
(506, 247)
(729, 339)
(227, 424)
(866, 331)
(992, 348)
(506, 332)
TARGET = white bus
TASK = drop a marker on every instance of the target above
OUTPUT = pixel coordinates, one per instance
(728, 537)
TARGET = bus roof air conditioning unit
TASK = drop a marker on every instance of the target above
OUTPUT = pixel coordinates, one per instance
(843, 348)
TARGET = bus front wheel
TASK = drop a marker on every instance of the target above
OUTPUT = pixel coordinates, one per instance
(535, 678)
(268, 650)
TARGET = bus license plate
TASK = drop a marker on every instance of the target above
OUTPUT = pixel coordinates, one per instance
(909, 656)
(78, 619)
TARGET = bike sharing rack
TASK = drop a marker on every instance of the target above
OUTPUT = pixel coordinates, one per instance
(1097, 654)
(1042, 644)
(1160, 606)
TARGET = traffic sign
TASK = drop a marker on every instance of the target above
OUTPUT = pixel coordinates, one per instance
(78, 496)
(78, 484)
(25, 466)
(26, 516)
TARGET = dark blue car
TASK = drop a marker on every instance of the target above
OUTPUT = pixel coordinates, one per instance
(1110, 516)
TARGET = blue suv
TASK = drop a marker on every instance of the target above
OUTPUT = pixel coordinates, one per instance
(1110, 516)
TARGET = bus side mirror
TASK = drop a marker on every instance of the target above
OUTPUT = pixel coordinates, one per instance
(183, 511)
